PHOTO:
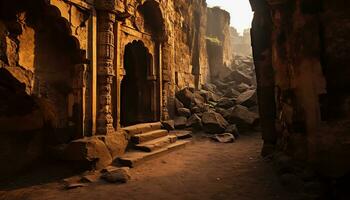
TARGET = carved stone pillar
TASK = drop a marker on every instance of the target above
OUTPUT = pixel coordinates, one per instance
(105, 65)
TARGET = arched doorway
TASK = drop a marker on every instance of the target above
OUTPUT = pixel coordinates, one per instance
(39, 83)
(138, 86)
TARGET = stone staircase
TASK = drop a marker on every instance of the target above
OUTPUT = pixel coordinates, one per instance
(149, 140)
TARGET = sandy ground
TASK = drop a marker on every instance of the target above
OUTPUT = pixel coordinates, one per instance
(202, 170)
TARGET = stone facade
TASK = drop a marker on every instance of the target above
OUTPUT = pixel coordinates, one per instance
(74, 69)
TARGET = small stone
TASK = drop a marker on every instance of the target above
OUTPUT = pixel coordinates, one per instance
(224, 138)
(233, 130)
(119, 175)
(91, 177)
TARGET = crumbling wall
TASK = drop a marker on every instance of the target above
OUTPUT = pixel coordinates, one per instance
(185, 53)
(38, 58)
(220, 52)
(189, 34)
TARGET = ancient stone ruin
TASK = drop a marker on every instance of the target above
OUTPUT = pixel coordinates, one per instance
(96, 82)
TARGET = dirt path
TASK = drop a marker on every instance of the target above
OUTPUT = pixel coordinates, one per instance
(203, 170)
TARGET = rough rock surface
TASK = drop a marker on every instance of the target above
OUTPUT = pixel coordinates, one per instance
(214, 123)
(184, 112)
(168, 125)
(180, 122)
(117, 175)
(194, 121)
(90, 151)
(243, 117)
(115, 142)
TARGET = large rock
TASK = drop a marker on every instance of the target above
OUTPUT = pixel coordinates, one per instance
(184, 112)
(180, 122)
(213, 122)
(240, 77)
(221, 85)
(242, 87)
(178, 104)
(210, 87)
(231, 93)
(115, 142)
(224, 112)
(213, 97)
(198, 100)
(226, 103)
(91, 152)
(168, 125)
(244, 118)
(185, 96)
(247, 98)
(194, 121)
(197, 109)
(204, 94)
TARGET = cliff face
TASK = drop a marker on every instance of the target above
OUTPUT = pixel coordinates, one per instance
(220, 51)
(309, 55)
(241, 45)
(185, 52)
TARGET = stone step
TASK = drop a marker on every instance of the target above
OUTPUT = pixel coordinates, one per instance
(142, 128)
(153, 145)
(135, 158)
(145, 137)
(181, 134)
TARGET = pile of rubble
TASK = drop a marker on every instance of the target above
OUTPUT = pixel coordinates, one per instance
(225, 106)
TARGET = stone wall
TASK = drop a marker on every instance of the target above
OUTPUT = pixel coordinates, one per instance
(62, 66)
(308, 57)
(39, 69)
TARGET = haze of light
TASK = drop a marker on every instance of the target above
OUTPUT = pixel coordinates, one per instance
(240, 11)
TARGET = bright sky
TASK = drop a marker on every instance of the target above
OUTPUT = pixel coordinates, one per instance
(240, 10)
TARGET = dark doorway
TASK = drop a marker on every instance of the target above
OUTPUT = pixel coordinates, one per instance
(137, 88)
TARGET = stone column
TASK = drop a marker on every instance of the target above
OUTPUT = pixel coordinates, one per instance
(105, 65)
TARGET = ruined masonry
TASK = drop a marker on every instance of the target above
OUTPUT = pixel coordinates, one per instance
(75, 73)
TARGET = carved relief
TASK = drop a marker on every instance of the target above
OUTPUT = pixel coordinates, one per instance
(105, 71)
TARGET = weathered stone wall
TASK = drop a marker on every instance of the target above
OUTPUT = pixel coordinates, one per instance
(220, 52)
(241, 44)
(309, 55)
(61, 66)
(39, 79)
(185, 53)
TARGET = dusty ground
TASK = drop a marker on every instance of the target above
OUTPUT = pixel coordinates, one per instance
(203, 170)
